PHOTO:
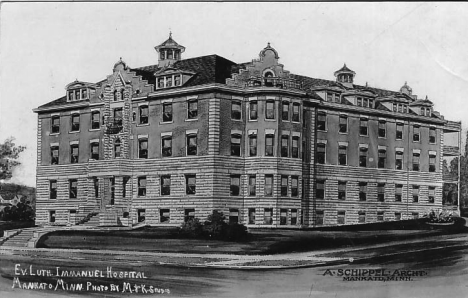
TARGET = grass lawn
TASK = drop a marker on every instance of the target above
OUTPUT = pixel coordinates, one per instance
(261, 241)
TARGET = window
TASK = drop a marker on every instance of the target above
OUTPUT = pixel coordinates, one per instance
(235, 185)
(371, 103)
(365, 102)
(192, 109)
(319, 215)
(165, 185)
(284, 186)
(112, 190)
(167, 112)
(363, 156)
(337, 97)
(397, 215)
(169, 78)
(190, 184)
(192, 144)
(415, 161)
(269, 141)
(253, 109)
(77, 94)
(341, 190)
(235, 145)
(330, 96)
(399, 160)
(115, 95)
(293, 217)
(416, 134)
(55, 124)
(342, 153)
(141, 215)
(74, 150)
(96, 187)
(143, 114)
(399, 131)
(295, 147)
(142, 186)
(341, 217)
(122, 94)
(143, 148)
(51, 216)
(118, 116)
(343, 125)
(236, 110)
(320, 189)
(415, 215)
(321, 121)
(398, 192)
(363, 127)
(161, 82)
(381, 192)
(252, 185)
(95, 150)
(285, 111)
(73, 188)
(75, 125)
(233, 216)
(380, 216)
(268, 185)
(382, 129)
(253, 145)
(395, 107)
(296, 109)
(361, 217)
(432, 135)
(95, 120)
(268, 216)
(117, 148)
(52, 189)
(124, 186)
(359, 102)
(54, 155)
(432, 163)
(362, 191)
(270, 110)
(321, 149)
(284, 146)
(166, 146)
(431, 195)
(294, 186)
(283, 216)
(164, 215)
(415, 193)
(382, 158)
(251, 216)
(422, 112)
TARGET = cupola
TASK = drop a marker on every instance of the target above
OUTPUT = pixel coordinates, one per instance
(405, 89)
(345, 75)
(169, 52)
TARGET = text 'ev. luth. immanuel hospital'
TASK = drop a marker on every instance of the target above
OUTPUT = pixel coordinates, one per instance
(180, 138)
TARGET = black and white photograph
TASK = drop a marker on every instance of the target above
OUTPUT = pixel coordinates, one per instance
(233, 149)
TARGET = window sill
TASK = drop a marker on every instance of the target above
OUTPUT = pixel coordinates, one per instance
(282, 120)
(238, 120)
(54, 134)
(320, 130)
(144, 124)
(94, 129)
(364, 136)
(383, 138)
(75, 131)
(253, 120)
(343, 133)
(191, 120)
(270, 120)
(167, 122)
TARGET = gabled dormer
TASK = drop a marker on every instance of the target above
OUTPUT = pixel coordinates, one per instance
(78, 90)
(170, 76)
(422, 107)
(169, 52)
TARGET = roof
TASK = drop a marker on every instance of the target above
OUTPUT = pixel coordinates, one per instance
(344, 69)
(170, 43)
(216, 69)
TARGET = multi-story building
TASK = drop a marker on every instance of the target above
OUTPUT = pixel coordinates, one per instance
(178, 139)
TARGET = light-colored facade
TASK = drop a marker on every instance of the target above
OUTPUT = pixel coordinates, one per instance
(268, 148)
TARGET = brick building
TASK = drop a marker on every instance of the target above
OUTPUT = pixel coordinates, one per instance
(178, 139)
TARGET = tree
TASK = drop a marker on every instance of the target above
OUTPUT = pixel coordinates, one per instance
(9, 153)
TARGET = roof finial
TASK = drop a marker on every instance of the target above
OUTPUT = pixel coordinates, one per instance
(367, 85)
(426, 97)
(170, 33)
(268, 44)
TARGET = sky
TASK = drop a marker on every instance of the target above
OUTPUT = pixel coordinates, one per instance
(45, 46)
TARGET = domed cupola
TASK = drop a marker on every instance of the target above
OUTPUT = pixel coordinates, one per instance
(169, 51)
(345, 75)
(405, 89)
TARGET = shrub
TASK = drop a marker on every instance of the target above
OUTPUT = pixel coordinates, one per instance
(192, 228)
(439, 216)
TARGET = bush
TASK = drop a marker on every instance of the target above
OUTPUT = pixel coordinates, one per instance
(21, 212)
(215, 227)
(439, 216)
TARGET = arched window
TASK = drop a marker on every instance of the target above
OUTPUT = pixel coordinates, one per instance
(268, 74)
(115, 95)
(117, 148)
(122, 94)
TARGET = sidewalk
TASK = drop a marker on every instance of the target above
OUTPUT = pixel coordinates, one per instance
(252, 262)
